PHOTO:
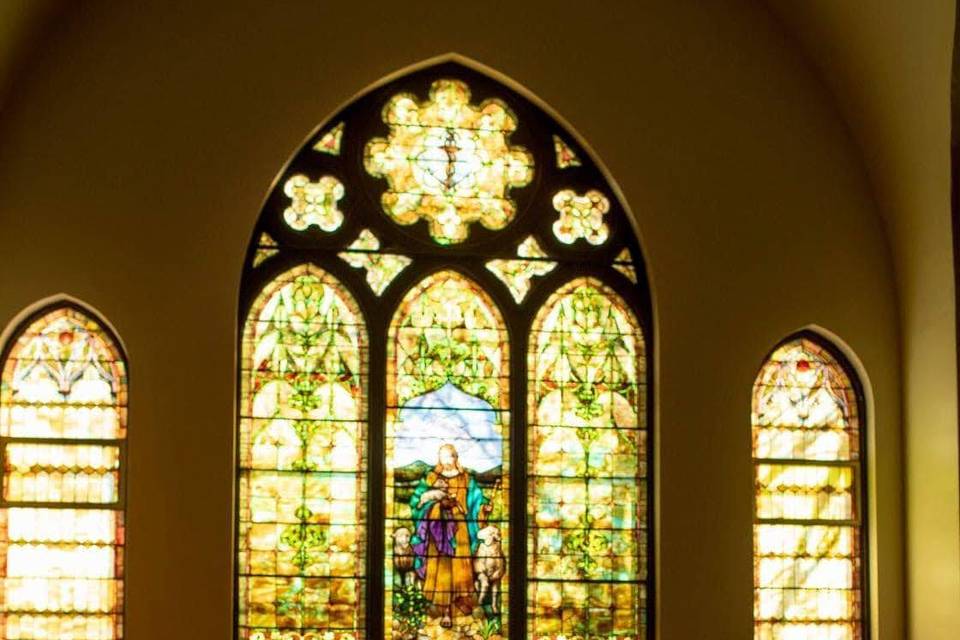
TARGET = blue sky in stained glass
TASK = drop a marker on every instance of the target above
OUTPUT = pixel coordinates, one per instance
(448, 415)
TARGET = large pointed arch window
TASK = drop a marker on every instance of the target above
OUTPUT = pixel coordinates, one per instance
(808, 452)
(63, 424)
(443, 386)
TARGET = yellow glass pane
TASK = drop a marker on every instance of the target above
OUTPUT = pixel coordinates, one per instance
(804, 540)
(60, 627)
(302, 487)
(61, 473)
(795, 631)
(84, 526)
(60, 594)
(804, 492)
(52, 561)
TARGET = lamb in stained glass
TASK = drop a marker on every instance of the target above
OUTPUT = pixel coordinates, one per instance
(449, 162)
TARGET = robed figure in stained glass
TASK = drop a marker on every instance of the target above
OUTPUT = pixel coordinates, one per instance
(447, 505)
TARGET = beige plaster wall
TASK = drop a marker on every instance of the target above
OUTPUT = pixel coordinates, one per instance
(138, 143)
(889, 67)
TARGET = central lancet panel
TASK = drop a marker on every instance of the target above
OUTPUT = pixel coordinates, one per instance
(447, 452)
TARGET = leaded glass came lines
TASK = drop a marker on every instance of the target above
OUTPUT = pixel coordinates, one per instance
(587, 441)
(63, 415)
(302, 485)
(448, 441)
(807, 552)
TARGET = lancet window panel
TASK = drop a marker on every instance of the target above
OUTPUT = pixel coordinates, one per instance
(809, 536)
(63, 426)
(446, 213)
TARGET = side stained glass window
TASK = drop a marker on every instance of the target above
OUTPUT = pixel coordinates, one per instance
(443, 417)
(808, 536)
(63, 425)
(587, 466)
(302, 491)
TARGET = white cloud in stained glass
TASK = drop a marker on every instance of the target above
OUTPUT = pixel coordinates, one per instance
(449, 162)
(381, 268)
(517, 274)
(313, 203)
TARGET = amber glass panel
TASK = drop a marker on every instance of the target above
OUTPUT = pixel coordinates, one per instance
(302, 485)
(447, 445)
(63, 401)
(587, 451)
(807, 555)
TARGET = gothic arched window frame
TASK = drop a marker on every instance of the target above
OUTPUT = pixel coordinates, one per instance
(842, 365)
(612, 257)
(78, 535)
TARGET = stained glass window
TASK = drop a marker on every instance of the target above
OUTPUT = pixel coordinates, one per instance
(808, 537)
(587, 466)
(63, 424)
(302, 462)
(443, 412)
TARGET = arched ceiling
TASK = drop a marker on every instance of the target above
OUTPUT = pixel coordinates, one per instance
(887, 65)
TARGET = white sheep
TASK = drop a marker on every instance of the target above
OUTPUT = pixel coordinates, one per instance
(489, 566)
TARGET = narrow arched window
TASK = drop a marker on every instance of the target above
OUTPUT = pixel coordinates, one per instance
(809, 562)
(63, 425)
(443, 405)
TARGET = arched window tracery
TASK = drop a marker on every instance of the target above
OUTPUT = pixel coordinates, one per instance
(63, 427)
(456, 240)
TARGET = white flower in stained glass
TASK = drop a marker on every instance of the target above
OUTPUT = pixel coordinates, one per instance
(581, 216)
(516, 274)
(448, 162)
(313, 203)
(381, 268)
